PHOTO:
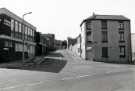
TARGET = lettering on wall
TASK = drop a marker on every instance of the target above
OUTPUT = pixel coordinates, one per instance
(7, 22)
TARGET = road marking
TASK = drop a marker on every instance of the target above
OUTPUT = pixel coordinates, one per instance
(77, 77)
(83, 76)
(12, 87)
(36, 83)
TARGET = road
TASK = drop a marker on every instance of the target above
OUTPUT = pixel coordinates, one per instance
(76, 75)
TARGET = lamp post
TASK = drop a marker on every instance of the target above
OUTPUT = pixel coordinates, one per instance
(23, 37)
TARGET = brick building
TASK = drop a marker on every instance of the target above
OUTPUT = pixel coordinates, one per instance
(41, 44)
(50, 39)
(58, 44)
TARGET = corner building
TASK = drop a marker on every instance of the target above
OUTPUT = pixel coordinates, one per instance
(106, 38)
(13, 31)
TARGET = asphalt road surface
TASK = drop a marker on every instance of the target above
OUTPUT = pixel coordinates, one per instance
(75, 75)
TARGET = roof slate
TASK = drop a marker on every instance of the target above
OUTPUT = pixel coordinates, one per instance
(106, 17)
(112, 17)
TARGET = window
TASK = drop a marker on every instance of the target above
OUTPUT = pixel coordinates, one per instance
(122, 51)
(12, 25)
(16, 47)
(8, 43)
(121, 25)
(88, 25)
(16, 26)
(104, 24)
(89, 37)
(105, 52)
(104, 36)
(25, 30)
(32, 35)
(121, 37)
(28, 31)
(33, 32)
(0, 20)
(20, 27)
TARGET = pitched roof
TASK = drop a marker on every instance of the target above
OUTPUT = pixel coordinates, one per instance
(111, 17)
(106, 17)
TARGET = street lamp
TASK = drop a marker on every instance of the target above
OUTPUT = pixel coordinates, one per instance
(23, 37)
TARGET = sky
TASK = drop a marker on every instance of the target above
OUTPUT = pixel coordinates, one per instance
(63, 17)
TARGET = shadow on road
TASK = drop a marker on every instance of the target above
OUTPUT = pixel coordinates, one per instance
(53, 65)
(54, 62)
(55, 54)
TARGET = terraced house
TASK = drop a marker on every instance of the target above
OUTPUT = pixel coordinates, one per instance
(106, 38)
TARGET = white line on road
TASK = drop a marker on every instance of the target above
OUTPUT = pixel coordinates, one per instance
(83, 76)
(12, 87)
(37, 83)
(77, 77)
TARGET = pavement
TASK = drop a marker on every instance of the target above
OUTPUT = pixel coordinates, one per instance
(64, 71)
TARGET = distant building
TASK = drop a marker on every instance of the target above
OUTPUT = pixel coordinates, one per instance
(75, 45)
(58, 44)
(41, 44)
(50, 38)
(70, 42)
(64, 44)
(106, 38)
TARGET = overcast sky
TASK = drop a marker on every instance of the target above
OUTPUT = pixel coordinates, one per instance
(63, 17)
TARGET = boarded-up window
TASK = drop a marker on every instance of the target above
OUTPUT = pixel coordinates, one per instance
(122, 51)
(104, 36)
(104, 24)
(105, 52)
